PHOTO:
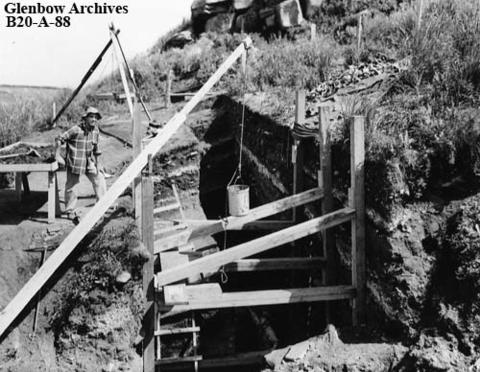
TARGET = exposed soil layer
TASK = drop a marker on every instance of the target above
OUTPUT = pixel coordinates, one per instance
(422, 284)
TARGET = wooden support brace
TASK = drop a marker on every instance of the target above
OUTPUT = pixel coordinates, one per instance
(216, 260)
(263, 211)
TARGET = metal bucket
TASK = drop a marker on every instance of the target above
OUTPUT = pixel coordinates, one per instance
(238, 200)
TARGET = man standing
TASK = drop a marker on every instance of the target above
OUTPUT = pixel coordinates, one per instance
(81, 158)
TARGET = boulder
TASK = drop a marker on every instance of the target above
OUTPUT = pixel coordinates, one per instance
(309, 6)
(179, 40)
(288, 14)
(241, 5)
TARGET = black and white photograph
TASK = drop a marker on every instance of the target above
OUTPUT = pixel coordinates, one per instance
(240, 185)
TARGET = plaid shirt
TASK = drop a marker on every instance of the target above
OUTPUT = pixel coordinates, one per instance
(81, 147)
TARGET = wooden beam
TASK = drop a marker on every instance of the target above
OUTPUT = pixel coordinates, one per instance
(357, 201)
(38, 167)
(38, 280)
(272, 264)
(176, 331)
(214, 261)
(264, 298)
(263, 211)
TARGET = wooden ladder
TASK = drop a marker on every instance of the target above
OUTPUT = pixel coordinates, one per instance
(171, 293)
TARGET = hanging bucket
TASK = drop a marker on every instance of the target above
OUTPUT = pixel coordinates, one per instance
(238, 200)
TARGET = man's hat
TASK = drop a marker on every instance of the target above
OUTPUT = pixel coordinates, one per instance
(92, 111)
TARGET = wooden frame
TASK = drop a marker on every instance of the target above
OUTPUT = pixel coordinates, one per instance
(216, 260)
(21, 171)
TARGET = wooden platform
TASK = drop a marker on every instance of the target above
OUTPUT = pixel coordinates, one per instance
(21, 180)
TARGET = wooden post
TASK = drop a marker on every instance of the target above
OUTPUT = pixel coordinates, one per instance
(420, 14)
(357, 202)
(168, 88)
(313, 31)
(297, 150)
(18, 186)
(359, 32)
(325, 182)
(148, 271)
(121, 69)
(52, 195)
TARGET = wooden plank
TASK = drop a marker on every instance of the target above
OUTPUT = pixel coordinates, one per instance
(357, 201)
(165, 208)
(37, 167)
(172, 241)
(23, 297)
(273, 264)
(262, 225)
(263, 211)
(264, 298)
(148, 324)
(214, 261)
(172, 259)
(176, 331)
(190, 293)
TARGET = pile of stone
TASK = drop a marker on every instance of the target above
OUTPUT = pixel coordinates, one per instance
(354, 75)
(247, 15)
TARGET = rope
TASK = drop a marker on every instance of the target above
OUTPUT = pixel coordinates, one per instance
(237, 174)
